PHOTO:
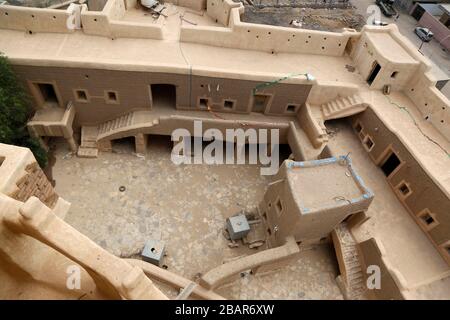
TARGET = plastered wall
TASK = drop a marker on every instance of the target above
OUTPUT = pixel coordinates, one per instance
(133, 91)
(34, 19)
(366, 54)
(249, 36)
(392, 284)
(220, 10)
(283, 217)
(425, 193)
(217, 90)
(433, 105)
(193, 4)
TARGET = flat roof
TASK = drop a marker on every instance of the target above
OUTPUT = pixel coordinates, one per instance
(389, 48)
(149, 55)
(342, 184)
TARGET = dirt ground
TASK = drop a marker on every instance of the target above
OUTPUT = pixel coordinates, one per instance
(324, 19)
(186, 207)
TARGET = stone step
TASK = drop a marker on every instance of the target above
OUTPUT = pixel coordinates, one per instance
(89, 144)
(87, 152)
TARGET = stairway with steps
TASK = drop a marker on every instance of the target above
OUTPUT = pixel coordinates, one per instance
(98, 137)
(343, 107)
(88, 146)
(350, 264)
(109, 126)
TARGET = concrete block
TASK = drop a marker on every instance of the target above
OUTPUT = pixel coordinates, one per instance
(153, 252)
(238, 227)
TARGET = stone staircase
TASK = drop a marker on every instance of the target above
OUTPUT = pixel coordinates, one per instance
(110, 126)
(343, 107)
(352, 274)
(98, 137)
(88, 147)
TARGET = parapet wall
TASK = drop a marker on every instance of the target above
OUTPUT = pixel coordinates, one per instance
(108, 22)
(220, 10)
(392, 283)
(250, 36)
(197, 5)
(433, 105)
(34, 19)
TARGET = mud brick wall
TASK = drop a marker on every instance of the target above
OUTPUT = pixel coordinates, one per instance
(35, 183)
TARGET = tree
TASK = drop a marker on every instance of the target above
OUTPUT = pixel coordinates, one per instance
(14, 113)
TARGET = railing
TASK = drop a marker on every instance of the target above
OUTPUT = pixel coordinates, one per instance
(53, 122)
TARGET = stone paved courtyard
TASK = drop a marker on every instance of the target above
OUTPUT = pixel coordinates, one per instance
(185, 206)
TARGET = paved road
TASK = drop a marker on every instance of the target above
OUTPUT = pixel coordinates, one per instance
(406, 25)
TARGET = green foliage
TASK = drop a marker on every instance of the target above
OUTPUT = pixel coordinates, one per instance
(14, 113)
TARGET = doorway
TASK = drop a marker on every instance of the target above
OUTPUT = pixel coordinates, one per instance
(391, 163)
(46, 94)
(260, 102)
(374, 73)
(163, 95)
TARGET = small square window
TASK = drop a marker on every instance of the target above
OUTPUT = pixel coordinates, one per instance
(404, 189)
(358, 127)
(228, 104)
(291, 108)
(368, 143)
(428, 219)
(81, 95)
(111, 97)
(394, 74)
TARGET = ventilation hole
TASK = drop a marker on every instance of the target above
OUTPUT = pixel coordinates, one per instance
(248, 30)
(412, 89)
(95, 19)
(442, 121)
(32, 16)
(323, 48)
(269, 32)
(340, 44)
(30, 32)
(426, 104)
(427, 117)
(54, 17)
(6, 13)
